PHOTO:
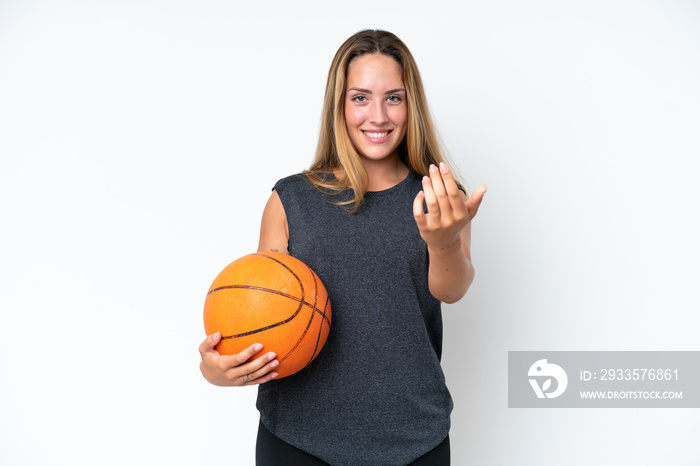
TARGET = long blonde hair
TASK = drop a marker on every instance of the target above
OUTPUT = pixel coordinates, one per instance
(419, 148)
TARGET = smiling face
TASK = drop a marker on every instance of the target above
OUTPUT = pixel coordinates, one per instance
(375, 106)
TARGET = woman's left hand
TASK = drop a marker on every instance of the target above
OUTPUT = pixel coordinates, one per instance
(448, 209)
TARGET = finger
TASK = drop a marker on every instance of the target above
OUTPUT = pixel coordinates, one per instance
(475, 200)
(255, 375)
(234, 360)
(439, 189)
(265, 378)
(254, 369)
(430, 198)
(454, 194)
(209, 343)
(436, 179)
(418, 212)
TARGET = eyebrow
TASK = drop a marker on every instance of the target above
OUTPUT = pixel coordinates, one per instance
(367, 91)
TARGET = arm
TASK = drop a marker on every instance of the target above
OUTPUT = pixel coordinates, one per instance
(274, 232)
(446, 229)
(236, 369)
(450, 272)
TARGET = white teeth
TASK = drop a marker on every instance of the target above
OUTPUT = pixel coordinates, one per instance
(376, 135)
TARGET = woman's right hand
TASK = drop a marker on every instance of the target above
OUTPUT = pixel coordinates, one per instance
(235, 370)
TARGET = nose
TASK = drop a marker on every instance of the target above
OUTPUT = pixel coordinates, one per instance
(377, 113)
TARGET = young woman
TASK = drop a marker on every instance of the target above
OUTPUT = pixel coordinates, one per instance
(382, 221)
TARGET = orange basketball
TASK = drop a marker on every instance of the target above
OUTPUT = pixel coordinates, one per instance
(273, 299)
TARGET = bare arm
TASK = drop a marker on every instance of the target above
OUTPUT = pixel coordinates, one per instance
(236, 369)
(446, 229)
(274, 233)
(451, 273)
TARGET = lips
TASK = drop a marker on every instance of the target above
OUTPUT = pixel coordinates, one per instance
(377, 136)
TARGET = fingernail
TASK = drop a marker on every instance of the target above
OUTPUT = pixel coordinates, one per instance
(271, 356)
(274, 374)
(274, 364)
(426, 179)
(443, 167)
(258, 347)
(421, 193)
(433, 168)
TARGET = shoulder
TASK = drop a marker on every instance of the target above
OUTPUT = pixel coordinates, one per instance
(314, 184)
(291, 180)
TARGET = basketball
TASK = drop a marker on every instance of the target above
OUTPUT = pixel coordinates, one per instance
(273, 299)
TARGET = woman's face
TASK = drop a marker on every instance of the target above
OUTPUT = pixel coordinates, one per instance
(375, 106)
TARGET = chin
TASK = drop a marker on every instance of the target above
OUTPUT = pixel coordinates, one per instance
(377, 155)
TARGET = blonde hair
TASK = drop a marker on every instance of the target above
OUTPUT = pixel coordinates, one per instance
(420, 147)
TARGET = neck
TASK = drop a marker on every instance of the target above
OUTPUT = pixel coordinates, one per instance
(384, 174)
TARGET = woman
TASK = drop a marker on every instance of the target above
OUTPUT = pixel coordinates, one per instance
(382, 221)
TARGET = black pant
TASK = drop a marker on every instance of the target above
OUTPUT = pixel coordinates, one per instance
(271, 451)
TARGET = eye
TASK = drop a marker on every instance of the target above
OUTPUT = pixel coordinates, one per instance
(394, 98)
(359, 98)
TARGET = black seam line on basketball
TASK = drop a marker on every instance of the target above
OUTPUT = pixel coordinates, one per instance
(300, 284)
(301, 338)
(253, 332)
(268, 290)
(251, 287)
(320, 327)
(313, 274)
(320, 331)
(308, 325)
(301, 302)
(315, 311)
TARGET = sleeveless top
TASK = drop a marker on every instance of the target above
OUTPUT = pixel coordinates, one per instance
(375, 394)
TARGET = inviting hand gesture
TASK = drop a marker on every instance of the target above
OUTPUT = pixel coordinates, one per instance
(448, 209)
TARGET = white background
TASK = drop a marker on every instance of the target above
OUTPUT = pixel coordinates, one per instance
(139, 141)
